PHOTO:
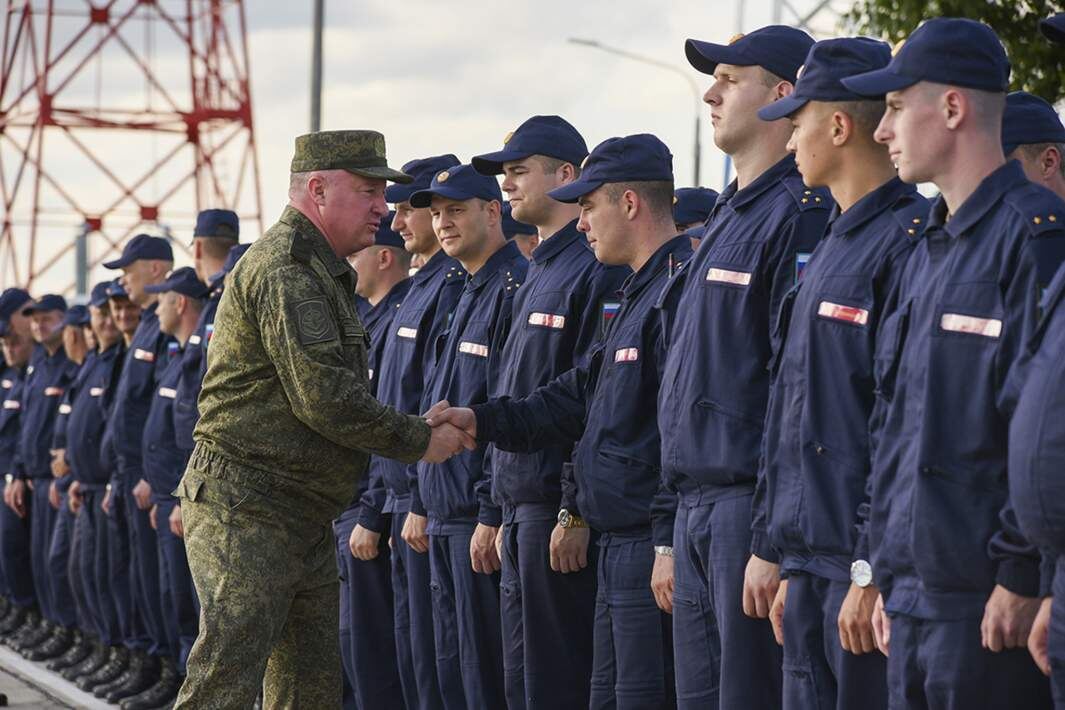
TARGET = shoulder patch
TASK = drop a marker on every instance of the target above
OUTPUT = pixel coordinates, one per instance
(313, 322)
(608, 308)
(301, 248)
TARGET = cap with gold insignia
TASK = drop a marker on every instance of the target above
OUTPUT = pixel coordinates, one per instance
(358, 152)
(552, 136)
(777, 48)
(422, 170)
(642, 157)
(460, 182)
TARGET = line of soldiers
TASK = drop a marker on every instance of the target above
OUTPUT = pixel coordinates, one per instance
(758, 463)
(99, 405)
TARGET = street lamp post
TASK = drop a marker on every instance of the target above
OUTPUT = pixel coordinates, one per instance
(696, 93)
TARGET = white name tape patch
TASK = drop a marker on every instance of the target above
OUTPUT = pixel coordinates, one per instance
(547, 320)
(145, 355)
(848, 314)
(168, 392)
(410, 333)
(728, 276)
(473, 349)
(959, 323)
(626, 355)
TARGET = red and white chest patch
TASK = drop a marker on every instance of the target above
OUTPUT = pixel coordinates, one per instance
(626, 355)
(143, 355)
(547, 320)
(728, 276)
(959, 323)
(473, 348)
(838, 311)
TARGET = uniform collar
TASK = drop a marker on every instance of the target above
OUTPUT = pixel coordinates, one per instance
(389, 302)
(738, 199)
(679, 247)
(986, 196)
(495, 262)
(298, 221)
(861, 212)
(556, 243)
(435, 263)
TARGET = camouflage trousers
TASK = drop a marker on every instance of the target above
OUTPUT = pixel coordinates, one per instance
(269, 596)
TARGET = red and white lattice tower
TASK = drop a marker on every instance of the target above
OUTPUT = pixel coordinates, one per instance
(119, 117)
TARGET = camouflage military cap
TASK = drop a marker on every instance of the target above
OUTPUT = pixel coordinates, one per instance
(358, 152)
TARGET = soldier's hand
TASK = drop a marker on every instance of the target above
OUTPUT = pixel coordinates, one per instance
(363, 543)
(483, 555)
(881, 626)
(142, 494)
(437, 408)
(55, 498)
(499, 541)
(18, 497)
(153, 516)
(856, 620)
(776, 612)
(105, 504)
(760, 583)
(74, 497)
(445, 441)
(1038, 639)
(59, 463)
(569, 549)
(177, 525)
(461, 417)
(662, 582)
(414, 532)
(1008, 619)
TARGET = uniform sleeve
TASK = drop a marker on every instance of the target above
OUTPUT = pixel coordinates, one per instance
(372, 501)
(306, 346)
(551, 414)
(664, 504)
(1018, 560)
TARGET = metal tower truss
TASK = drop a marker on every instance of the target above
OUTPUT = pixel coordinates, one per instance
(118, 117)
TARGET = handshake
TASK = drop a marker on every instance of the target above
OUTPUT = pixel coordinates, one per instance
(453, 429)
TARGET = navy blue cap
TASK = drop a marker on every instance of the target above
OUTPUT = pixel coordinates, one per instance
(693, 204)
(76, 315)
(423, 170)
(777, 48)
(217, 223)
(142, 246)
(98, 296)
(637, 158)
(512, 226)
(552, 136)
(461, 182)
(50, 302)
(1053, 28)
(183, 281)
(385, 237)
(1029, 119)
(115, 290)
(828, 62)
(944, 50)
(11, 300)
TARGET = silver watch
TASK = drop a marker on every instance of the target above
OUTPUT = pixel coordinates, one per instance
(664, 550)
(861, 573)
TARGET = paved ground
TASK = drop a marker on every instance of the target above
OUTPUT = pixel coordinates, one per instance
(30, 686)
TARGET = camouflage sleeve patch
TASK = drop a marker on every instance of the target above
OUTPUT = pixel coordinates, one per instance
(313, 322)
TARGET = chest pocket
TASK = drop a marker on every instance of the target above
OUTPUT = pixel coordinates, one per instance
(545, 314)
(731, 266)
(970, 313)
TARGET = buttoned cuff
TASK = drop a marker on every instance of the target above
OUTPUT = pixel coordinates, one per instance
(761, 548)
(1020, 576)
(490, 515)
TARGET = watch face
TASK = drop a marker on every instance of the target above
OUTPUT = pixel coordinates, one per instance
(564, 517)
(861, 573)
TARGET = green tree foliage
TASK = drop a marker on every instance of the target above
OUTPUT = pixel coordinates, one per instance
(1038, 65)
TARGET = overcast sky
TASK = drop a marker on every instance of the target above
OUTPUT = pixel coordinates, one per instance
(438, 77)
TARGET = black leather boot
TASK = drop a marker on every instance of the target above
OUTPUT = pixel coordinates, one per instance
(143, 674)
(116, 665)
(78, 652)
(14, 619)
(34, 636)
(159, 695)
(94, 662)
(57, 644)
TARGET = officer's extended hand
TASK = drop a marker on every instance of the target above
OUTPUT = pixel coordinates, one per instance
(856, 620)
(17, 502)
(1038, 639)
(142, 493)
(1007, 620)
(569, 549)
(363, 543)
(445, 441)
(776, 612)
(662, 582)
(74, 497)
(760, 583)
(55, 498)
(483, 554)
(414, 532)
(461, 417)
(177, 525)
(881, 626)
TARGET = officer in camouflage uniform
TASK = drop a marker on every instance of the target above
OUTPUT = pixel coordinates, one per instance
(287, 424)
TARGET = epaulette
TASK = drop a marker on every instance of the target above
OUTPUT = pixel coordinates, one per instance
(912, 216)
(456, 273)
(301, 248)
(1040, 209)
(510, 283)
(806, 198)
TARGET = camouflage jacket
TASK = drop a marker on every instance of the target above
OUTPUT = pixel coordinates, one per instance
(286, 400)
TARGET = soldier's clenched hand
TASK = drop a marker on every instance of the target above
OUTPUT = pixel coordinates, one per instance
(363, 543)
